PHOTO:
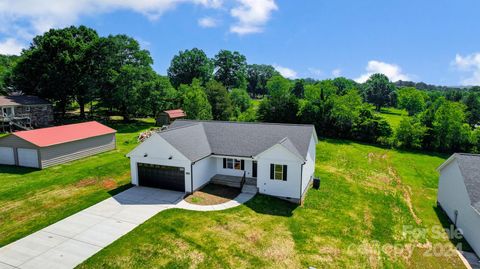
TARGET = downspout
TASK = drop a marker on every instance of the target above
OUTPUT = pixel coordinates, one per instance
(301, 181)
(191, 177)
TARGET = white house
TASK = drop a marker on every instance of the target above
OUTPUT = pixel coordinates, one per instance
(278, 159)
(459, 195)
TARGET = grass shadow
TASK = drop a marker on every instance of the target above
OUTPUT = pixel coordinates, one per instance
(267, 205)
(17, 170)
(448, 225)
(120, 189)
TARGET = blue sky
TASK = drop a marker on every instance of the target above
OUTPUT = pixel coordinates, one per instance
(436, 42)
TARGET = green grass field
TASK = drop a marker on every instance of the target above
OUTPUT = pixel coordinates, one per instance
(368, 196)
(33, 199)
(393, 116)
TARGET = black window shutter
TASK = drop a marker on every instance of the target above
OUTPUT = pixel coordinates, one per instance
(242, 164)
(224, 163)
(272, 169)
(284, 173)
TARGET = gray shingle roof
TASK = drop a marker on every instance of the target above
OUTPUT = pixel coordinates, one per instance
(470, 168)
(22, 100)
(198, 139)
(190, 140)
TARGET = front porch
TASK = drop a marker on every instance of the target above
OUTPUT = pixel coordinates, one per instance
(232, 181)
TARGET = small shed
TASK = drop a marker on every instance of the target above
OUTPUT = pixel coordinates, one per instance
(46, 147)
(168, 116)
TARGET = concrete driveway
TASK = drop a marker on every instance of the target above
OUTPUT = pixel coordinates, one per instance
(72, 240)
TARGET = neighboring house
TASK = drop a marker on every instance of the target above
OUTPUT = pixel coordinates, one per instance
(26, 111)
(45, 147)
(168, 116)
(279, 159)
(459, 194)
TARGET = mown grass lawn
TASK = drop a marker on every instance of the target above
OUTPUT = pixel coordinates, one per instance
(32, 199)
(393, 116)
(368, 196)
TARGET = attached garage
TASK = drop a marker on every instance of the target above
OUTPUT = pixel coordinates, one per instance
(161, 176)
(46, 147)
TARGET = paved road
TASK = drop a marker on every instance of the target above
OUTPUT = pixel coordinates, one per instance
(71, 241)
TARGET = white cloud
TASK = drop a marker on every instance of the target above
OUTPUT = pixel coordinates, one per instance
(315, 72)
(469, 64)
(11, 46)
(392, 71)
(207, 22)
(285, 71)
(336, 72)
(251, 15)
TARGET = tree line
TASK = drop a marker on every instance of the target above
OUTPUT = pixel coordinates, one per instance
(113, 75)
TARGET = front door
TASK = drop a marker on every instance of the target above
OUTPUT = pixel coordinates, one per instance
(254, 169)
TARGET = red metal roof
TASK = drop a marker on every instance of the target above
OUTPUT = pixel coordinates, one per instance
(66, 133)
(175, 113)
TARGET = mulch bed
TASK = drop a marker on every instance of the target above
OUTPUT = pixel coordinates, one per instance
(213, 194)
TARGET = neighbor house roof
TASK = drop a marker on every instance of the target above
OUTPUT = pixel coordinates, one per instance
(22, 100)
(175, 113)
(469, 165)
(62, 134)
(198, 139)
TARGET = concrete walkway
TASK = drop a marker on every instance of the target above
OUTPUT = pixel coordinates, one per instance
(72, 240)
(240, 199)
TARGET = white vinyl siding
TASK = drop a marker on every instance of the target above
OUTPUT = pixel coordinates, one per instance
(453, 197)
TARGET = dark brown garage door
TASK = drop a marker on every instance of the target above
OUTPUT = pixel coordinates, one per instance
(160, 176)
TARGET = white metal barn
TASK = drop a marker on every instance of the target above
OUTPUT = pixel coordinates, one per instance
(275, 159)
(459, 195)
(45, 147)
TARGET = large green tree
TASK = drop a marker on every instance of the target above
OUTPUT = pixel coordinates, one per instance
(378, 90)
(231, 69)
(111, 55)
(472, 102)
(194, 101)
(190, 64)
(280, 105)
(410, 133)
(257, 78)
(450, 128)
(240, 99)
(411, 100)
(128, 92)
(219, 99)
(57, 66)
(158, 95)
(7, 63)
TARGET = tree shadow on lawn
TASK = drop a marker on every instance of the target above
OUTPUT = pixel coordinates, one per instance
(16, 170)
(448, 226)
(120, 189)
(263, 204)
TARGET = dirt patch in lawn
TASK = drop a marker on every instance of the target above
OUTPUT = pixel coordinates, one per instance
(213, 194)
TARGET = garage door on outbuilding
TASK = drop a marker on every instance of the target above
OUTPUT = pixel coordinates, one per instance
(160, 176)
(7, 156)
(28, 158)
(46, 147)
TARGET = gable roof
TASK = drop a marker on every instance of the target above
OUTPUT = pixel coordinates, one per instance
(62, 134)
(190, 140)
(22, 100)
(198, 139)
(175, 113)
(469, 165)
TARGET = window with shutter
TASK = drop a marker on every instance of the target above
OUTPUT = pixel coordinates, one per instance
(278, 172)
